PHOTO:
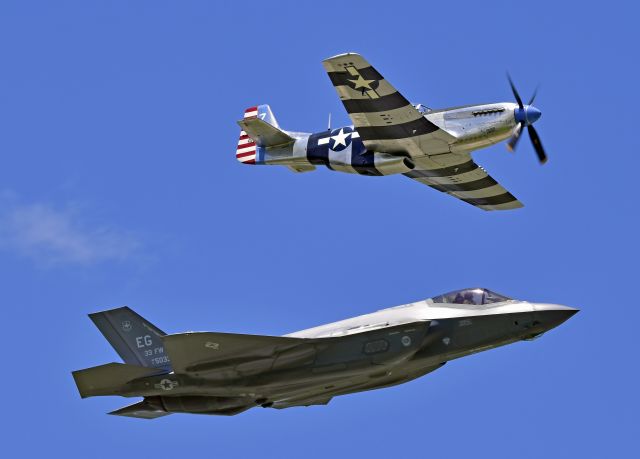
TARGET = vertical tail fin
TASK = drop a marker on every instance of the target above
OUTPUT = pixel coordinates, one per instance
(247, 149)
(135, 339)
(262, 112)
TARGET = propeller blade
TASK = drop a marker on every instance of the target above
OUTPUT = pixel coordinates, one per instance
(533, 97)
(515, 92)
(537, 145)
(513, 141)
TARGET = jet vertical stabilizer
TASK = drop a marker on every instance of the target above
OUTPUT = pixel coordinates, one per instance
(135, 339)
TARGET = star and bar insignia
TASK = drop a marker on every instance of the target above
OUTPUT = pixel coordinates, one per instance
(339, 138)
(359, 83)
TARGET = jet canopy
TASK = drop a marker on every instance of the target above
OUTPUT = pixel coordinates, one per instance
(475, 296)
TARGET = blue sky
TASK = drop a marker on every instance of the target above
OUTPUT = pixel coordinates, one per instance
(119, 186)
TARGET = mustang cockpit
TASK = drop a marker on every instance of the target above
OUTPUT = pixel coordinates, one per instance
(474, 296)
(423, 109)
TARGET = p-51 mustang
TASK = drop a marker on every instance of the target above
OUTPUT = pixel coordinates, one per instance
(391, 136)
(226, 373)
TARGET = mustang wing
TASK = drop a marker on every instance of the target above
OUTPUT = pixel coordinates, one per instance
(465, 180)
(386, 121)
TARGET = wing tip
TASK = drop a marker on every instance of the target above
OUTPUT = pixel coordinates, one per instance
(506, 206)
(338, 56)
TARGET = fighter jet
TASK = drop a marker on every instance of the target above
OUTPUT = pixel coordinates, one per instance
(226, 373)
(391, 136)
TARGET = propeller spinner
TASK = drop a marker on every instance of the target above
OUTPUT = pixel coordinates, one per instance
(525, 116)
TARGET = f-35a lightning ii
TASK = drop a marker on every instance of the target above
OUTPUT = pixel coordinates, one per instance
(227, 373)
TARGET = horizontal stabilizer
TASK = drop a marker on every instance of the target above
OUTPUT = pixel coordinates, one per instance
(108, 379)
(263, 133)
(204, 351)
(141, 410)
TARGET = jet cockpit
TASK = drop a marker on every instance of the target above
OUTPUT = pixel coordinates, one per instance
(474, 296)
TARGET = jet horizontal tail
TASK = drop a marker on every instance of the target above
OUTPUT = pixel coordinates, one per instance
(141, 410)
(155, 407)
(109, 379)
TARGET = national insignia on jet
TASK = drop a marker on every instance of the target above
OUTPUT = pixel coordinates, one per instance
(166, 384)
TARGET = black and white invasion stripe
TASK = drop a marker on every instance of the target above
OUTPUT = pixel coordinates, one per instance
(468, 182)
(379, 112)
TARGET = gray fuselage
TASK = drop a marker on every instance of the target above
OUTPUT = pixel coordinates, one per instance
(376, 350)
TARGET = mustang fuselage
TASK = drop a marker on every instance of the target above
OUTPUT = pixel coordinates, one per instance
(462, 129)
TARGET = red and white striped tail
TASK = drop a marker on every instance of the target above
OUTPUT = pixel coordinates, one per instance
(246, 151)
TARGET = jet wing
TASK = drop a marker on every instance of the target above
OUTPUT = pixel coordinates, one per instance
(462, 178)
(229, 354)
(245, 354)
(386, 121)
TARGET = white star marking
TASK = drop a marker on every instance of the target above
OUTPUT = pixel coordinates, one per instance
(362, 83)
(340, 138)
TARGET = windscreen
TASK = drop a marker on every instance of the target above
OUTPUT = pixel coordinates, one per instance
(423, 109)
(473, 296)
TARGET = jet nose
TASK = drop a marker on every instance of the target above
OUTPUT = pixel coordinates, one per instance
(552, 315)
